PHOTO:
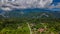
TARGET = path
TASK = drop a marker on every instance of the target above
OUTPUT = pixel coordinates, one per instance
(29, 28)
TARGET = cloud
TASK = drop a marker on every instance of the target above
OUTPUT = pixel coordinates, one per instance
(55, 6)
(6, 9)
(26, 4)
(34, 3)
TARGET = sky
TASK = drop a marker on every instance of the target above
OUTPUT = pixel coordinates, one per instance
(56, 1)
(23, 4)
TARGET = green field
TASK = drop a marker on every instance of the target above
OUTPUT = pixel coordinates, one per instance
(37, 25)
(17, 28)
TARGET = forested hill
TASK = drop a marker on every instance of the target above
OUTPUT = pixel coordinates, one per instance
(30, 13)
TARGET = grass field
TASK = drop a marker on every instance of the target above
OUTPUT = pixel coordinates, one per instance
(22, 28)
(37, 26)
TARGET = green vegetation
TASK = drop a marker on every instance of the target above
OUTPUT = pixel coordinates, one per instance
(39, 25)
(13, 27)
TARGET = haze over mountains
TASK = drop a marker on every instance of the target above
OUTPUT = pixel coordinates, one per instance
(30, 13)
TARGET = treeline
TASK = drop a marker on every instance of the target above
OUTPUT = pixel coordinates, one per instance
(13, 23)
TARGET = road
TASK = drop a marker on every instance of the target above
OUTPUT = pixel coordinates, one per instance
(29, 28)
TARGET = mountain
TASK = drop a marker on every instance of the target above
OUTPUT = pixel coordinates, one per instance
(31, 13)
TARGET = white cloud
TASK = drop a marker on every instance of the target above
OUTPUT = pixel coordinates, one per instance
(6, 9)
(55, 6)
(27, 4)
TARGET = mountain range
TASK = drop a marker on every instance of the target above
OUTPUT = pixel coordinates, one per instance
(30, 13)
